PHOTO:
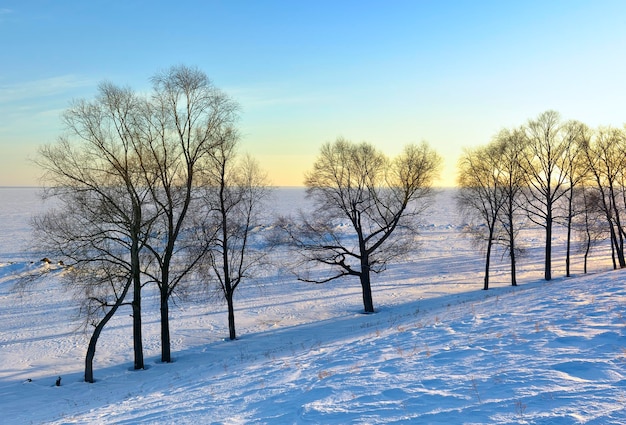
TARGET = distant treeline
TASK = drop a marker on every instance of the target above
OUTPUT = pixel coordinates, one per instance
(549, 172)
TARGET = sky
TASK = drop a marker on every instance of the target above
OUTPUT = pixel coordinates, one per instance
(391, 73)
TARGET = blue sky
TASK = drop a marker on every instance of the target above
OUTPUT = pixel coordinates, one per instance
(305, 72)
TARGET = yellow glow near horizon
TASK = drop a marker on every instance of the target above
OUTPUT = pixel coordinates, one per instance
(285, 170)
(289, 170)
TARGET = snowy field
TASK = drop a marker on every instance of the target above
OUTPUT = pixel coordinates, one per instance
(439, 350)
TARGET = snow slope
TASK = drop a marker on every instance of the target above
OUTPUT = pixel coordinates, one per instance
(438, 350)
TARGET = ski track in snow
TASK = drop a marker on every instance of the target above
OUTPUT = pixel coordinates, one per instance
(439, 350)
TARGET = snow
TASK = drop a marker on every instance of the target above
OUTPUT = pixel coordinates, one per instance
(439, 350)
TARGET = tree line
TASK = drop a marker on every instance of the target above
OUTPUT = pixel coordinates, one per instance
(150, 190)
(548, 172)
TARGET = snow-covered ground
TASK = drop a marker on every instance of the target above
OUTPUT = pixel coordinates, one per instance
(439, 349)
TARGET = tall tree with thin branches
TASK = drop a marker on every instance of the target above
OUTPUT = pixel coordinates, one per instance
(576, 135)
(235, 194)
(187, 116)
(544, 163)
(509, 145)
(481, 197)
(100, 224)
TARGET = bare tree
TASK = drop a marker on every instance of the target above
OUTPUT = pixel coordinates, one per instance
(137, 160)
(490, 182)
(365, 209)
(99, 280)
(481, 196)
(589, 223)
(100, 224)
(235, 193)
(575, 166)
(606, 159)
(510, 148)
(544, 164)
(187, 117)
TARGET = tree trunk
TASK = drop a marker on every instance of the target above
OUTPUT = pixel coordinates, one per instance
(619, 245)
(513, 268)
(568, 249)
(137, 336)
(548, 258)
(587, 249)
(228, 284)
(136, 279)
(613, 255)
(166, 352)
(512, 243)
(620, 255)
(91, 349)
(368, 304)
(488, 259)
(231, 316)
(512, 255)
(569, 233)
(366, 285)
(614, 246)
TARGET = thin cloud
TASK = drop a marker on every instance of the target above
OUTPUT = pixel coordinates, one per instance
(10, 93)
(4, 12)
(253, 97)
